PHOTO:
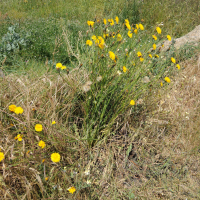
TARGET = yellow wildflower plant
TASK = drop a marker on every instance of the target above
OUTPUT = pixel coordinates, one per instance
(58, 65)
(141, 59)
(41, 144)
(124, 69)
(90, 23)
(12, 108)
(46, 178)
(112, 22)
(130, 34)
(135, 31)
(38, 127)
(154, 46)
(156, 56)
(137, 26)
(139, 54)
(167, 79)
(102, 45)
(132, 102)
(19, 137)
(154, 37)
(117, 19)
(94, 37)
(158, 29)
(71, 189)
(63, 67)
(169, 37)
(141, 27)
(150, 56)
(127, 21)
(161, 83)
(55, 157)
(18, 110)
(89, 42)
(104, 21)
(178, 66)
(1, 156)
(128, 26)
(173, 60)
(53, 122)
(119, 37)
(112, 55)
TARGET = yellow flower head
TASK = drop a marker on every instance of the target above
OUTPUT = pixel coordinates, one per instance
(158, 29)
(94, 37)
(156, 56)
(137, 26)
(89, 42)
(112, 22)
(128, 26)
(1, 156)
(130, 34)
(141, 59)
(63, 67)
(104, 21)
(169, 37)
(135, 31)
(167, 79)
(18, 110)
(154, 37)
(117, 19)
(119, 37)
(46, 178)
(141, 27)
(161, 83)
(58, 65)
(38, 127)
(154, 46)
(150, 56)
(41, 144)
(139, 54)
(19, 137)
(90, 23)
(126, 21)
(112, 55)
(12, 108)
(173, 60)
(53, 122)
(124, 69)
(55, 157)
(132, 102)
(71, 190)
(178, 66)
(102, 45)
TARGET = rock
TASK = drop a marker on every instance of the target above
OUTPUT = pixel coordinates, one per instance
(191, 37)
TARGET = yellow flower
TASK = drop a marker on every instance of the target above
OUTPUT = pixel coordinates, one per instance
(19, 110)
(158, 30)
(94, 37)
(119, 37)
(63, 67)
(105, 35)
(58, 65)
(100, 39)
(46, 178)
(156, 56)
(102, 45)
(161, 83)
(141, 59)
(41, 144)
(12, 108)
(130, 34)
(112, 55)
(55, 157)
(126, 21)
(53, 122)
(132, 102)
(154, 37)
(43, 160)
(178, 66)
(89, 42)
(173, 60)
(169, 37)
(124, 69)
(90, 23)
(104, 21)
(71, 189)
(128, 26)
(1, 156)
(137, 26)
(163, 45)
(150, 55)
(19, 137)
(38, 127)
(167, 79)
(141, 27)
(154, 46)
(135, 31)
(117, 19)
(139, 54)
(112, 22)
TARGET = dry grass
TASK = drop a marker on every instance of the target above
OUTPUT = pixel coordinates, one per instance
(152, 155)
